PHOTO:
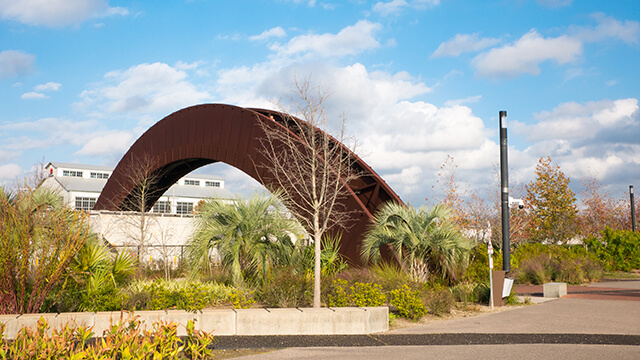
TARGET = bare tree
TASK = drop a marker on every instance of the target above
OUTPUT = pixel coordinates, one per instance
(137, 222)
(310, 167)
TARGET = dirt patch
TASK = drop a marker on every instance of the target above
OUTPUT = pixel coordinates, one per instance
(459, 312)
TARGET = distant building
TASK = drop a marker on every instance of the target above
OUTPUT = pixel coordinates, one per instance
(80, 186)
(159, 238)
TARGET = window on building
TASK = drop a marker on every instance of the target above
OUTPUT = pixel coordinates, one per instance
(162, 207)
(98, 175)
(212, 183)
(71, 173)
(184, 208)
(192, 182)
(85, 203)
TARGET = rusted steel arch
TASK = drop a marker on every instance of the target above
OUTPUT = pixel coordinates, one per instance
(205, 134)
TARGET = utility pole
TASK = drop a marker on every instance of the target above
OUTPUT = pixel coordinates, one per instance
(633, 209)
(504, 187)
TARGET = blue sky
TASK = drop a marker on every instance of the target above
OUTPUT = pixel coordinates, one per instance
(419, 80)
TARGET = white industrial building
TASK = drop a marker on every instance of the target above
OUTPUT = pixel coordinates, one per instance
(158, 236)
(80, 186)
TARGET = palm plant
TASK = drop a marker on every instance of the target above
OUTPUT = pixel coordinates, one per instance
(424, 242)
(94, 264)
(245, 233)
(97, 274)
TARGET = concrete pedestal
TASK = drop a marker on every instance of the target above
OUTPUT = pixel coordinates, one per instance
(554, 289)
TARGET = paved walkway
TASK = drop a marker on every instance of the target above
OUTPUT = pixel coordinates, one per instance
(597, 321)
(626, 290)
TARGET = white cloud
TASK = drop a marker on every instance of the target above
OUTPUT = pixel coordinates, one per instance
(408, 179)
(609, 28)
(526, 54)
(554, 3)
(579, 121)
(33, 95)
(404, 140)
(114, 142)
(462, 43)
(468, 100)
(7, 155)
(50, 86)
(45, 133)
(310, 3)
(351, 40)
(10, 171)
(267, 34)
(599, 136)
(15, 63)
(56, 13)
(154, 88)
(420, 127)
(386, 8)
(395, 6)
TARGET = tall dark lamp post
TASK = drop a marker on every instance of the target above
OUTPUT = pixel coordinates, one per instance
(633, 209)
(504, 187)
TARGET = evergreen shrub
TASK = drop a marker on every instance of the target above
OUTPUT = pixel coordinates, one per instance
(617, 250)
(407, 303)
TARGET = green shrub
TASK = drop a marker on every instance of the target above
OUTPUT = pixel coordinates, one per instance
(617, 250)
(241, 299)
(535, 270)
(439, 301)
(107, 298)
(464, 292)
(367, 294)
(592, 270)
(482, 292)
(193, 296)
(174, 294)
(512, 299)
(540, 263)
(338, 296)
(389, 275)
(287, 288)
(161, 296)
(478, 269)
(407, 303)
(358, 294)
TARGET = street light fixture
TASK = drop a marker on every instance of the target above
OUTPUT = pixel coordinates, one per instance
(504, 186)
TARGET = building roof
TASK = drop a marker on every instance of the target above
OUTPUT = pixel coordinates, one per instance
(203, 177)
(80, 166)
(63, 165)
(81, 184)
(183, 191)
(202, 192)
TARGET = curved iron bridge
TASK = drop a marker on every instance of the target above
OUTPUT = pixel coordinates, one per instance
(209, 133)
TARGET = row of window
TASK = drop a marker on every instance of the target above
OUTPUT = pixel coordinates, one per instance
(206, 183)
(212, 183)
(184, 208)
(161, 207)
(97, 175)
(72, 173)
(164, 207)
(85, 203)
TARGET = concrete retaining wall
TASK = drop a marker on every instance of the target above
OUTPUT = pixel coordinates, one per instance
(302, 321)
